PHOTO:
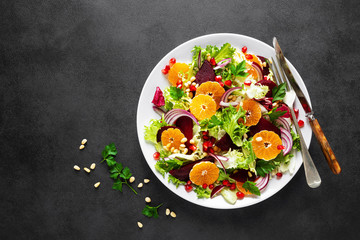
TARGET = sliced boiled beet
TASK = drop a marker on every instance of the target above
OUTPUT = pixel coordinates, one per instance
(243, 175)
(225, 143)
(268, 83)
(206, 73)
(284, 107)
(266, 102)
(183, 173)
(158, 135)
(265, 69)
(263, 125)
(186, 126)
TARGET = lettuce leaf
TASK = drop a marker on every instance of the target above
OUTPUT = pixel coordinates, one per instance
(226, 51)
(256, 91)
(163, 166)
(236, 131)
(175, 99)
(202, 193)
(175, 181)
(153, 128)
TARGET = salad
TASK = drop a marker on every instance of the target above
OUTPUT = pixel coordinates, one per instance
(223, 127)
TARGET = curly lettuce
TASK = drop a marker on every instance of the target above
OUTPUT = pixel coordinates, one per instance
(153, 128)
(176, 98)
(236, 131)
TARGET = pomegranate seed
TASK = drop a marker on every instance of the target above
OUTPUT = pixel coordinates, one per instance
(189, 182)
(244, 49)
(248, 56)
(192, 88)
(226, 182)
(179, 86)
(167, 67)
(192, 147)
(221, 84)
(188, 188)
(156, 155)
(208, 143)
(164, 71)
(265, 77)
(212, 61)
(206, 137)
(280, 147)
(279, 174)
(240, 195)
(211, 186)
(232, 186)
(296, 111)
(179, 82)
(301, 123)
(172, 61)
(247, 83)
(211, 150)
(204, 185)
(205, 148)
(218, 78)
(228, 82)
(205, 133)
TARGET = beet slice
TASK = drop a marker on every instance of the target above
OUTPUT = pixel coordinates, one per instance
(225, 143)
(263, 125)
(284, 107)
(185, 124)
(265, 70)
(268, 83)
(206, 73)
(158, 135)
(242, 175)
(183, 173)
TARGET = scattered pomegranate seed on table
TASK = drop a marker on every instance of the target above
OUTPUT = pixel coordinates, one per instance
(244, 49)
(301, 123)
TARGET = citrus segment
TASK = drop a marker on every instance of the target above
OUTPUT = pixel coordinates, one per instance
(265, 145)
(253, 112)
(239, 186)
(172, 136)
(176, 71)
(204, 173)
(255, 59)
(203, 106)
(212, 89)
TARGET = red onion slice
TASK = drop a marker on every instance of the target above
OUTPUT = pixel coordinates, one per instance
(262, 182)
(258, 69)
(216, 190)
(220, 159)
(223, 100)
(172, 115)
(222, 63)
(286, 139)
(199, 59)
(283, 123)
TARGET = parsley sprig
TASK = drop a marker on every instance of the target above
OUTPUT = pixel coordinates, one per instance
(274, 114)
(279, 92)
(250, 186)
(118, 173)
(151, 211)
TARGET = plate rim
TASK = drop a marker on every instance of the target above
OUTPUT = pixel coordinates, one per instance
(140, 128)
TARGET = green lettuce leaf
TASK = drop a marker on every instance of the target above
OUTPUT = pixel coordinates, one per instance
(153, 128)
(202, 193)
(236, 131)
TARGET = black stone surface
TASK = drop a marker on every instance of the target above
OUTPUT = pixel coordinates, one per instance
(74, 69)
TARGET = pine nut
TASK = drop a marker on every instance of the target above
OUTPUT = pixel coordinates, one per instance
(172, 149)
(165, 147)
(132, 179)
(167, 212)
(249, 173)
(185, 151)
(82, 147)
(194, 84)
(87, 170)
(192, 79)
(168, 145)
(184, 140)
(176, 150)
(208, 58)
(197, 85)
(76, 167)
(187, 90)
(192, 141)
(259, 139)
(84, 141)
(146, 180)
(92, 166)
(96, 185)
(173, 214)
(182, 145)
(216, 149)
(147, 199)
(140, 185)
(140, 225)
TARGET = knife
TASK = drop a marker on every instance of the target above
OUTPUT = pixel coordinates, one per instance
(315, 126)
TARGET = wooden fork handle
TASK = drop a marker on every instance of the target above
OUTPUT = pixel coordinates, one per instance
(325, 146)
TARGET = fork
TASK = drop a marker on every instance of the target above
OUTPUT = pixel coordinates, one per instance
(311, 174)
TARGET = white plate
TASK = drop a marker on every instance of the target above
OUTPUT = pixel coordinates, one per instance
(145, 112)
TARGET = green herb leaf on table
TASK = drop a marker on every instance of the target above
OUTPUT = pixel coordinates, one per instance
(176, 93)
(250, 186)
(118, 173)
(279, 92)
(264, 167)
(151, 211)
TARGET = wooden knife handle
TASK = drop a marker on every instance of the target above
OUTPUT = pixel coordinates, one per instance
(325, 146)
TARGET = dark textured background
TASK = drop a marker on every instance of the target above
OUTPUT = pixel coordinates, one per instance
(74, 69)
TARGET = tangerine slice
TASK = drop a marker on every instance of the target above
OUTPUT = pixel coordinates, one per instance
(176, 71)
(172, 136)
(213, 89)
(204, 172)
(253, 112)
(239, 186)
(203, 107)
(265, 145)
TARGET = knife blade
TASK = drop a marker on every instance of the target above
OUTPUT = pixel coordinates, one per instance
(315, 126)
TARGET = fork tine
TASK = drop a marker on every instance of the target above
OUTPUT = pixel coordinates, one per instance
(278, 78)
(284, 78)
(271, 63)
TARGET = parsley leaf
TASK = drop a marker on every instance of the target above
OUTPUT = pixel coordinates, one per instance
(250, 186)
(210, 123)
(176, 93)
(239, 70)
(202, 192)
(223, 176)
(264, 167)
(279, 92)
(273, 114)
(118, 173)
(151, 211)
